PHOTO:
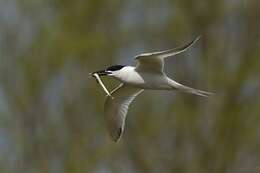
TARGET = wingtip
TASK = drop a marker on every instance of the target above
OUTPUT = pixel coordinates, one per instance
(117, 135)
(116, 140)
(197, 38)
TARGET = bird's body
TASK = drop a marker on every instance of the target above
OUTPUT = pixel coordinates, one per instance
(144, 80)
(148, 74)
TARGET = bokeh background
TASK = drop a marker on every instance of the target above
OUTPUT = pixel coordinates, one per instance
(51, 111)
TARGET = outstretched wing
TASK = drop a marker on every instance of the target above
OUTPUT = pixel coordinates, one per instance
(154, 62)
(116, 108)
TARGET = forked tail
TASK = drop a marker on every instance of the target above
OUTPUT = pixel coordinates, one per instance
(197, 92)
(186, 89)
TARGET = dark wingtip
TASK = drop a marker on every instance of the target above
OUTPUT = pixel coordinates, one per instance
(195, 40)
(198, 37)
(117, 135)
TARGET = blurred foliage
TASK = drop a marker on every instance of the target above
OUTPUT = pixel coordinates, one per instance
(51, 117)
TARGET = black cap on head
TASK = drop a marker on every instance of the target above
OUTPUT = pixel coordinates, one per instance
(114, 68)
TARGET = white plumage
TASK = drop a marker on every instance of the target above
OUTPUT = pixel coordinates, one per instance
(148, 74)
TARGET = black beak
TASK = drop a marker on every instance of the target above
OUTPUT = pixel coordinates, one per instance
(102, 73)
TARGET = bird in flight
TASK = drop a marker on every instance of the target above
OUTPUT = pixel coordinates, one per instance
(148, 74)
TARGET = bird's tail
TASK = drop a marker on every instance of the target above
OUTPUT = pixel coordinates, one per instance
(190, 90)
(197, 92)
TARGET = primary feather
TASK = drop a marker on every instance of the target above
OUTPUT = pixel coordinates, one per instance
(116, 109)
(154, 62)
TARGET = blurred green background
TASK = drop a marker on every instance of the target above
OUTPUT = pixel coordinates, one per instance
(51, 111)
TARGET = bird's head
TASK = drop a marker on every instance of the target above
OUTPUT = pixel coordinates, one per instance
(110, 71)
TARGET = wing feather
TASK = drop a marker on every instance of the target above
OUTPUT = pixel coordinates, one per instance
(116, 109)
(155, 61)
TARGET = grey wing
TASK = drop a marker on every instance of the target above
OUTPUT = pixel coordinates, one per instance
(116, 109)
(155, 61)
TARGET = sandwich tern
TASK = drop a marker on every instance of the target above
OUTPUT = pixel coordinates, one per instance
(148, 74)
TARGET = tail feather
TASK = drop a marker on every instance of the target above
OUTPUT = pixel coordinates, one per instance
(200, 92)
(190, 90)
